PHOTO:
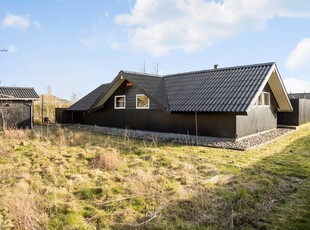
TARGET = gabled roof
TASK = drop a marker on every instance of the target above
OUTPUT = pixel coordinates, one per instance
(232, 89)
(217, 90)
(18, 93)
(87, 101)
(153, 85)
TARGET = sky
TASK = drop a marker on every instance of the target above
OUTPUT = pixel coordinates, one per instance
(73, 46)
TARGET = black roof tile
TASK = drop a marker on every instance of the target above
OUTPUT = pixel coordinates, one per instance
(152, 84)
(87, 101)
(216, 90)
(18, 93)
(229, 89)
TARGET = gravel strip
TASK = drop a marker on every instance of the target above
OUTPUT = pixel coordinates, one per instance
(227, 143)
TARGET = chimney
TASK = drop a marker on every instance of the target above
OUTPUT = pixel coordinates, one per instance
(215, 66)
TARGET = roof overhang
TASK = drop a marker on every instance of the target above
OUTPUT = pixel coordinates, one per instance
(277, 87)
(117, 82)
(273, 78)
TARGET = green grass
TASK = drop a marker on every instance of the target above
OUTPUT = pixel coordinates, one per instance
(62, 179)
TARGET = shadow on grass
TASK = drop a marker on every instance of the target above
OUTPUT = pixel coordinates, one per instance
(272, 194)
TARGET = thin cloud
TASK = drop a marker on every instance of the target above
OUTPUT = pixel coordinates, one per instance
(300, 56)
(37, 25)
(160, 26)
(19, 22)
(15, 21)
(12, 48)
(106, 14)
(294, 85)
(91, 42)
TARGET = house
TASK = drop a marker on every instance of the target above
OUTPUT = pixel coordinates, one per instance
(16, 107)
(228, 102)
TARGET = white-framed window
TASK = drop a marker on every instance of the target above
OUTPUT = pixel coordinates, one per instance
(142, 102)
(266, 99)
(263, 100)
(120, 102)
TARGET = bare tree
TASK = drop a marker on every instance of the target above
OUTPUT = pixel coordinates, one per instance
(74, 97)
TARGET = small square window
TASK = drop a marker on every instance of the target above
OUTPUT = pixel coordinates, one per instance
(120, 102)
(142, 101)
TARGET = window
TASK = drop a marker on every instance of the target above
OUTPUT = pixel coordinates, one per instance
(267, 99)
(263, 100)
(120, 102)
(142, 101)
(260, 100)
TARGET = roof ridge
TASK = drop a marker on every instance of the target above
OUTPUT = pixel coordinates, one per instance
(218, 69)
(15, 87)
(140, 73)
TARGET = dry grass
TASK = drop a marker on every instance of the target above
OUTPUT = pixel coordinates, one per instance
(64, 179)
(17, 134)
(108, 159)
(26, 206)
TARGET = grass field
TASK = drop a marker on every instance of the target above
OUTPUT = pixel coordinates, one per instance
(64, 179)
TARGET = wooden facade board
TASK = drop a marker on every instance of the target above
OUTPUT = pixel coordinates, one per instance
(16, 114)
(258, 119)
(130, 92)
(300, 114)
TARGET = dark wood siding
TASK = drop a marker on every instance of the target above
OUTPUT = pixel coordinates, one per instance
(209, 124)
(60, 115)
(258, 119)
(17, 114)
(130, 92)
(300, 114)
(229, 125)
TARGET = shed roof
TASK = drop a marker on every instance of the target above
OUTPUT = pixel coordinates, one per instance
(18, 93)
(87, 101)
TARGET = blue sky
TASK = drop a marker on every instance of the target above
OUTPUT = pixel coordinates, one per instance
(76, 45)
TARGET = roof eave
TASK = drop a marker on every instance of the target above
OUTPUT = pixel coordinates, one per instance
(278, 89)
(107, 93)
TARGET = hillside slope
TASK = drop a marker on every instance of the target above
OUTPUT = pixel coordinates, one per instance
(50, 102)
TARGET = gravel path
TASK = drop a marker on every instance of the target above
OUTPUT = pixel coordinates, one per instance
(242, 144)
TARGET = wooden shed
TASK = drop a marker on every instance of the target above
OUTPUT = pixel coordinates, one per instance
(16, 107)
